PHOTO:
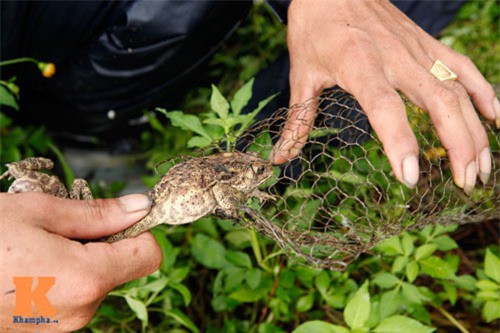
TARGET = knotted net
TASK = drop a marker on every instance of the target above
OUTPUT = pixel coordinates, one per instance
(339, 197)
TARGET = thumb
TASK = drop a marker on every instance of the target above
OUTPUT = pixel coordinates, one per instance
(123, 261)
(88, 219)
(299, 123)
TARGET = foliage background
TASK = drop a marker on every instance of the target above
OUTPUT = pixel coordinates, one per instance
(218, 278)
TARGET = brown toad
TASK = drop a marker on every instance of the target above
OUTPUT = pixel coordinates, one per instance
(219, 183)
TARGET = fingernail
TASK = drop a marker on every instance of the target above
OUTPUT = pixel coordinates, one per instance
(485, 165)
(496, 108)
(135, 202)
(470, 178)
(410, 171)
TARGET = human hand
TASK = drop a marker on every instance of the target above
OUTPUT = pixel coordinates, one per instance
(35, 232)
(371, 49)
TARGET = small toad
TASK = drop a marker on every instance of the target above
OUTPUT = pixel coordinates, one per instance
(216, 184)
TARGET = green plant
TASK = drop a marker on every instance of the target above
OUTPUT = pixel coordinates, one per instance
(225, 119)
(488, 287)
(359, 318)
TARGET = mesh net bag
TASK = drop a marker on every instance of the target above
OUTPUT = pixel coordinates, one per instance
(339, 197)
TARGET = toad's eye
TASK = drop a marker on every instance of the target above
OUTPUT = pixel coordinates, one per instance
(259, 170)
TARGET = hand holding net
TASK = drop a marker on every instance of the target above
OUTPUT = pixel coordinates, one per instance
(339, 197)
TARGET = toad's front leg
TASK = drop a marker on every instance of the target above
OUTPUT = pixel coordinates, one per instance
(261, 195)
(229, 201)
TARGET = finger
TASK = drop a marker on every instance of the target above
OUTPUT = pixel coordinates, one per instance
(477, 131)
(445, 109)
(86, 219)
(123, 261)
(387, 115)
(299, 123)
(481, 91)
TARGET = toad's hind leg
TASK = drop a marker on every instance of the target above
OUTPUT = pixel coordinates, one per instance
(80, 190)
(147, 223)
(21, 168)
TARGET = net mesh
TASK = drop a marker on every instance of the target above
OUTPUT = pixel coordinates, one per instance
(339, 197)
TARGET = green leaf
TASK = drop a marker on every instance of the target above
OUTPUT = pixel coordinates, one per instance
(252, 277)
(317, 326)
(335, 300)
(426, 232)
(218, 103)
(445, 243)
(270, 328)
(390, 303)
(182, 319)
(217, 122)
(453, 261)
(208, 252)
(305, 303)
(238, 258)
(419, 312)
(183, 290)
(7, 98)
(425, 251)
(139, 309)
(442, 229)
(407, 243)
(156, 285)
(391, 246)
(322, 282)
(386, 280)
(399, 263)
(234, 278)
(198, 142)
(179, 274)
(167, 249)
(154, 122)
(467, 282)
(4, 121)
(488, 295)
(39, 140)
(412, 270)
(241, 97)
(187, 122)
(357, 310)
(436, 268)
(248, 119)
(491, 310)
(245, 295)
(68, 172)
(411, 293)
(401, 324)
(450, 292)
(239, 238)
(492, 266)
(487, 285)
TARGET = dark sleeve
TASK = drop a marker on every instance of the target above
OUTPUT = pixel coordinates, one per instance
(53, 31)
(124, 56)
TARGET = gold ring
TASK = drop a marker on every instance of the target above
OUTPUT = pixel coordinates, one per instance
(441, 72)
